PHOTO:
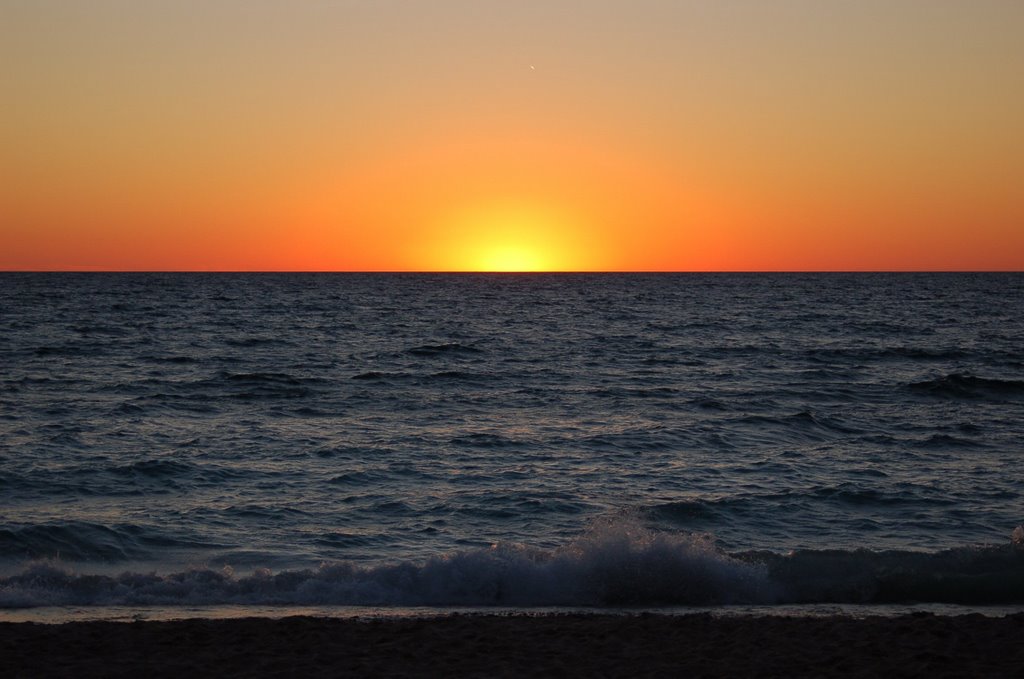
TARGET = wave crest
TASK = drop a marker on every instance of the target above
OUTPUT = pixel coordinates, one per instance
(616, 563)
(613, 564)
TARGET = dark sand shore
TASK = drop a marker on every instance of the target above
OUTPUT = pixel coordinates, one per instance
(512, 646)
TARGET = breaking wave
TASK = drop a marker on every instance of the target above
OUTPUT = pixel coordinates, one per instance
(613, 564)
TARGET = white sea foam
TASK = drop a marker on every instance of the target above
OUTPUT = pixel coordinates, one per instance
(613, 564)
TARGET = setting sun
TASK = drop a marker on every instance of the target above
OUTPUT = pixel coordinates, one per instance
(511, 258)
(512, 238)
(508, 236)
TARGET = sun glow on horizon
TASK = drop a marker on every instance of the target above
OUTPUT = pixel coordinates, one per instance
(510, 237)
(511, 259)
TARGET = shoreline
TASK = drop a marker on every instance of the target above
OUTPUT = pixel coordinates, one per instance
(557, 644)
(58, 615)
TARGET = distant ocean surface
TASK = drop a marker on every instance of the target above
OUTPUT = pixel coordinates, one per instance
(511, 440)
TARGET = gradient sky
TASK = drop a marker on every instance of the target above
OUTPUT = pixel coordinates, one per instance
(470, 134)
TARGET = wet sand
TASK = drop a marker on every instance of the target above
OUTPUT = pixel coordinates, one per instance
(515, 646)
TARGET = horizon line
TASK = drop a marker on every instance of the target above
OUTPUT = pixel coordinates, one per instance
(516, 273)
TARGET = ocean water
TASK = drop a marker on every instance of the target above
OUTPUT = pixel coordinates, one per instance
(513, 440)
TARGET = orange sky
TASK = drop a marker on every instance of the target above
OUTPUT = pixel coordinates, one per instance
(476, 134)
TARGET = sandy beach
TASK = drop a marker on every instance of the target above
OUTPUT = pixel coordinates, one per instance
(510, 646)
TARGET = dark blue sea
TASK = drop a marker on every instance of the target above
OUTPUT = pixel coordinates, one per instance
(511, 440)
